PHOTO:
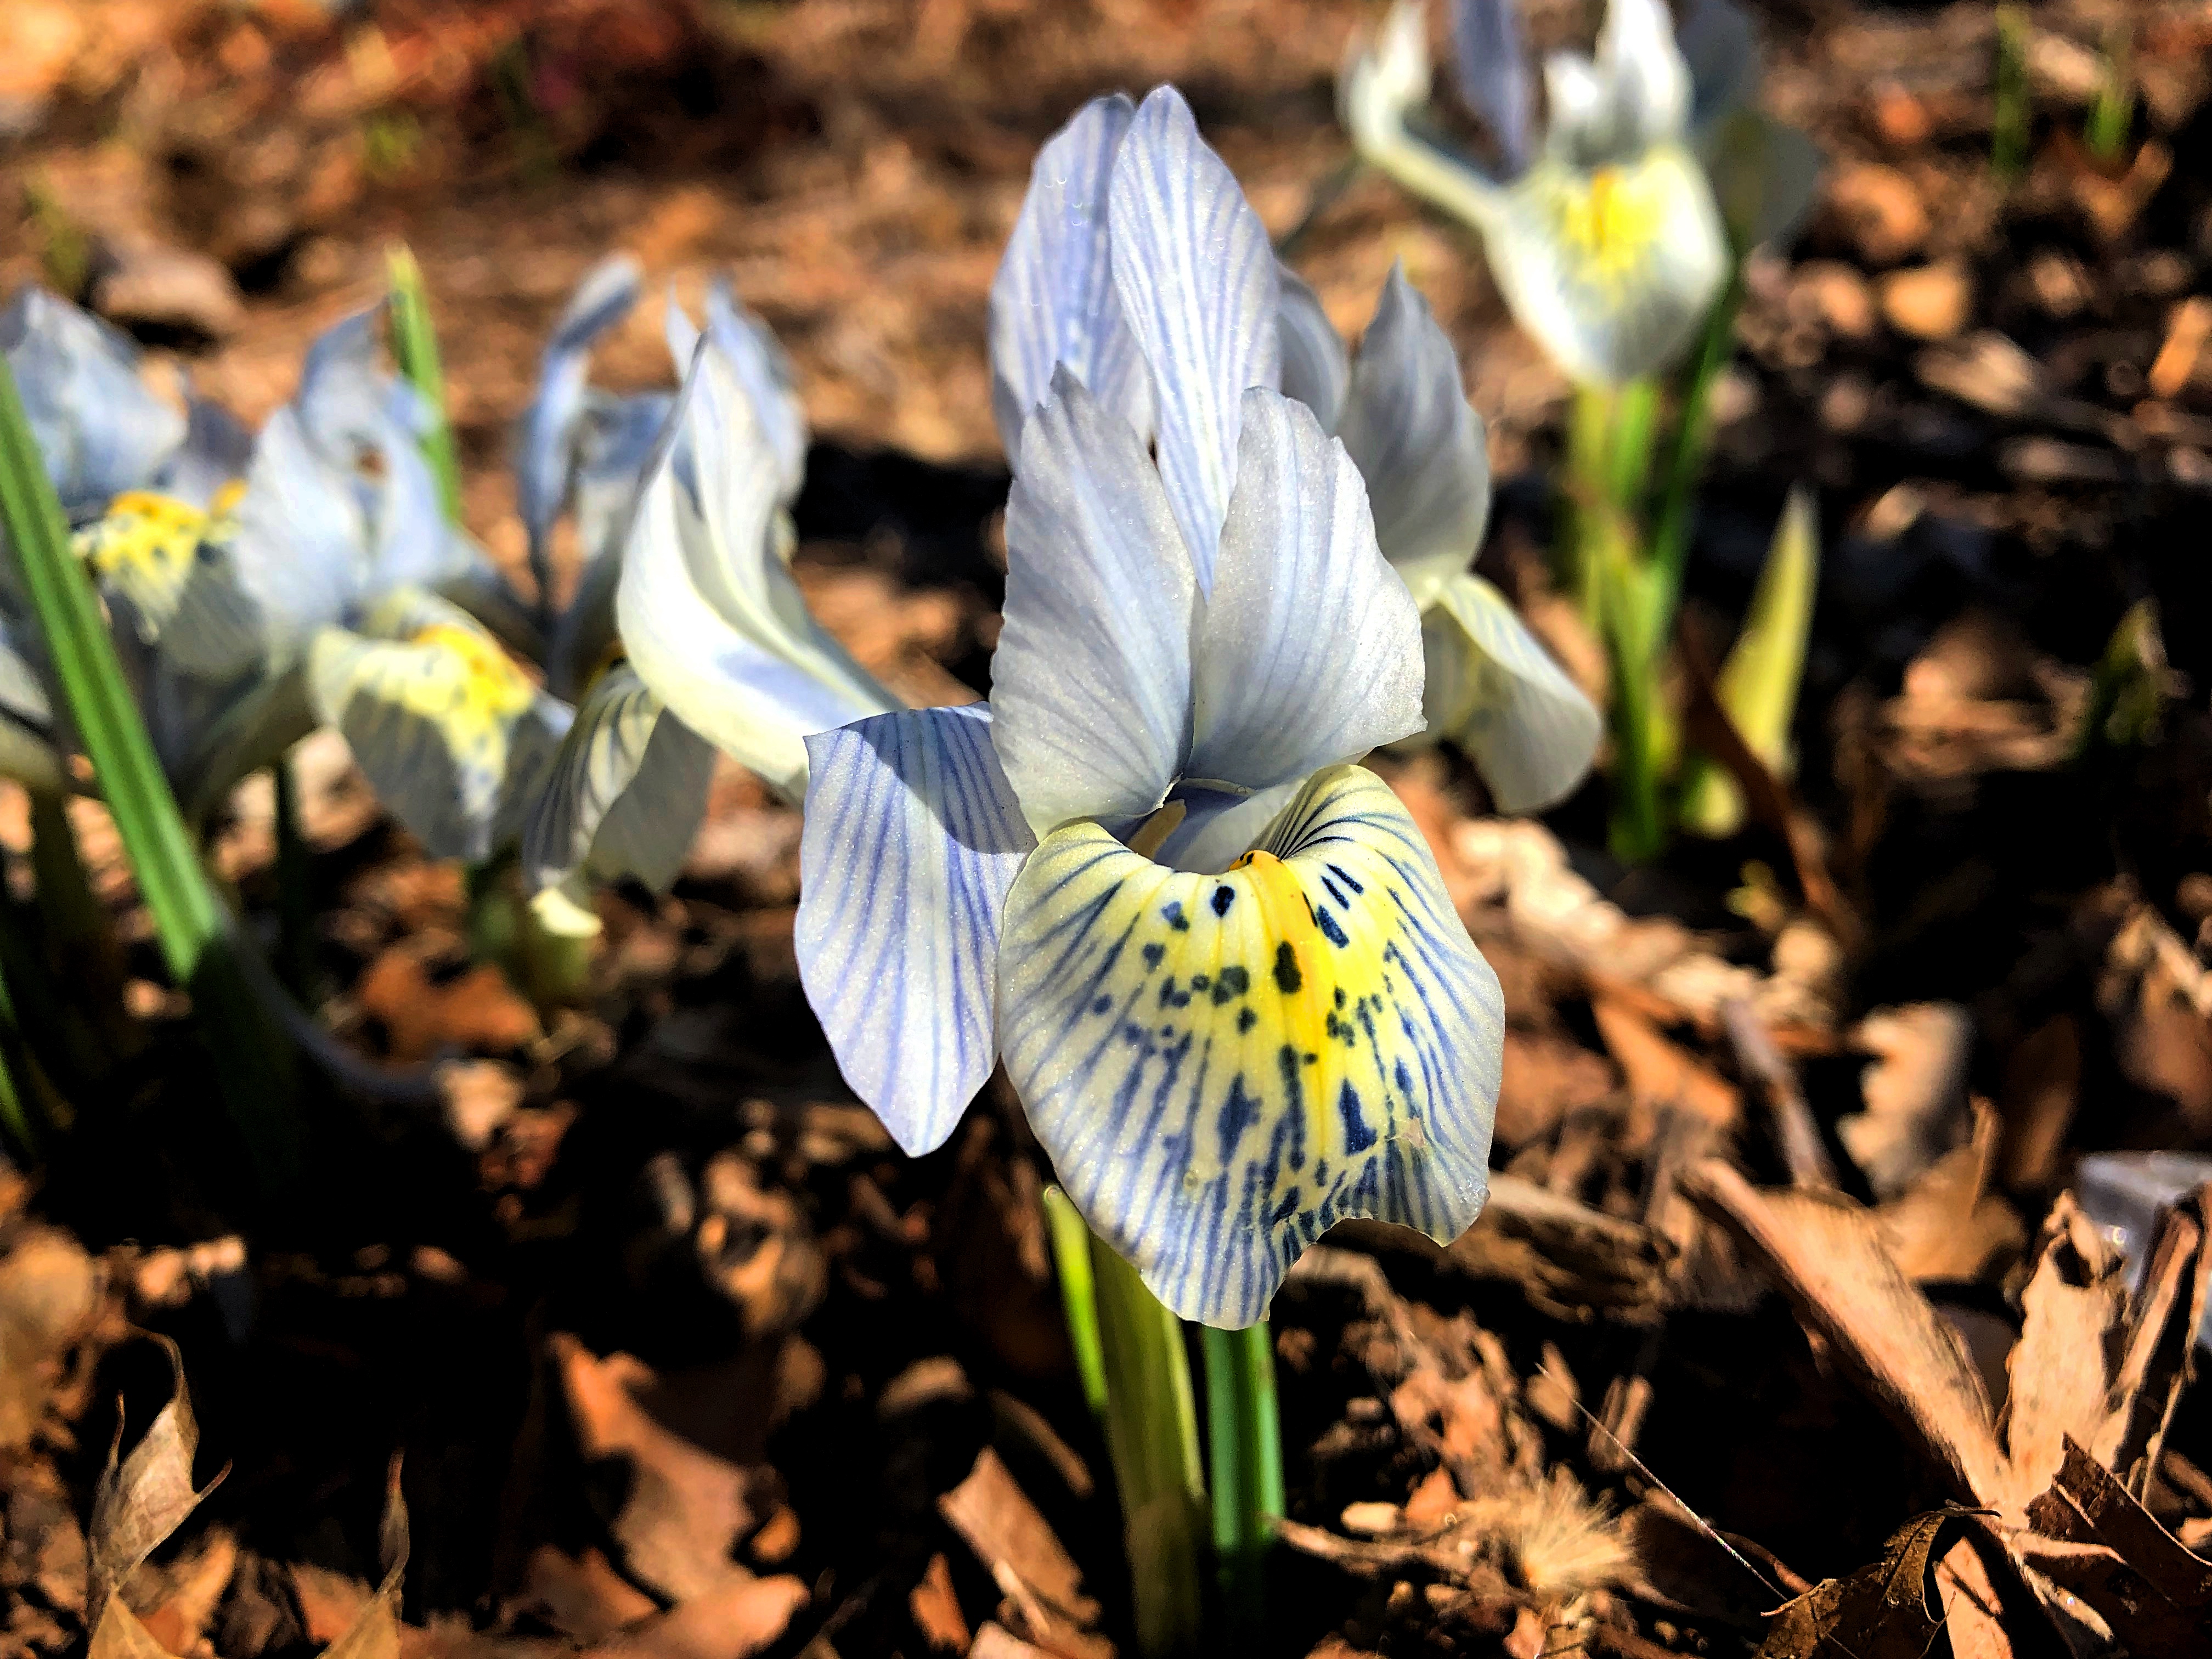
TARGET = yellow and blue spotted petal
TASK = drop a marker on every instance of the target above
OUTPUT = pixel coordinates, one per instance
(1495, 690)
(450, 733)
(709, 613)
(1315, 367)
(1492, 70)
(1222, 1067)
(97, 428)
(1197, 280)
(1612, 269)
(1419, 445)
(624, 796)
(1308, 650)
(144, 549)
(1092, 680)
(1053, 299)
(913, 836)
(545, 442)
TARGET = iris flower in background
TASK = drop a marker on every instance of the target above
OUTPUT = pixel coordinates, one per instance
(1605, 237)
(1216, 958)
(711, 619)
(1398, 409)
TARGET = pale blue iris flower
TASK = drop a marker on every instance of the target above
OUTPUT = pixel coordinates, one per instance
(1398, 409)
(1223, 1051)
(1608, 234)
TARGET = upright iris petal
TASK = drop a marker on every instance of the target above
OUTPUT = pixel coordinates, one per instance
(99, 429)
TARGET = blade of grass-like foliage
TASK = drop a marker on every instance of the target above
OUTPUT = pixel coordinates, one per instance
(415, 348)
(2114, 110)
(188, 921)
(1758, 683)
(1129, 1351)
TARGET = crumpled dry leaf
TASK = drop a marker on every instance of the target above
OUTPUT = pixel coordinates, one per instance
(1901, 1605)
(687, 1507)
(1042, 1583)
(374, 1633)
(49, 1294)
(1947, 1226)
(2094, 1539)
(2060, 1369)
(1661, 1073)
(1915, 1093)
(1827, 1254)
(134, 1508)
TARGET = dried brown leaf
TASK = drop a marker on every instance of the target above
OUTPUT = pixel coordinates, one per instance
(138, 1505)
(374, 1632)
(1915, 1093)
(49, 1292)
(2061, 1369)
(2160, 1358)
(1938, 1567)
(1827, 1255)
(996, 1520)
(1947, 1226)
(2094, 1540)
(1660, 1073)
(734, 1621)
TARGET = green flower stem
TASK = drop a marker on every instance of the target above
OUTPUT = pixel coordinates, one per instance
(189, 921)
(415, 348)
(1150, 1424)
(15, 1121)
(2114, 112)
(1245, 1443)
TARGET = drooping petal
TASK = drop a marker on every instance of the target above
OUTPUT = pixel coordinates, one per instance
(97, 428)
(1091, 683)
(710, 615)
(1053, 299)
(1308, 651)
(757, 358)
(1196, 278)
(1419, 446)
(1222, 1067)
(624, 796)
(143, 550)
(1495, 691)
(1493, 68)
(451, 735)
(1315, 367)
(1612, 271)
(913, 836)
(1384, 82)
(544, 441)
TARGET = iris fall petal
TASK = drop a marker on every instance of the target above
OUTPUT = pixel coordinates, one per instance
(1222, 1067)
(1493, 688)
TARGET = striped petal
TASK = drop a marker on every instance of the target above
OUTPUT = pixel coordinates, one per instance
(1053, 299)
(451, 735)
(1222, 1067)
(545, 442)
(1493, 68)
(709, 614)
(1092, 679)
(1495, 690)
(624, 796)
(1315, 367)
(97, 428)
(1614, 270)
(913, 836)
(1197, 281)
(1308, 651)
(1419, 446)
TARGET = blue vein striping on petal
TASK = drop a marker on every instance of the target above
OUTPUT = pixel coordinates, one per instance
(1198, 285)
(912, 837)
(1223, 1066)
